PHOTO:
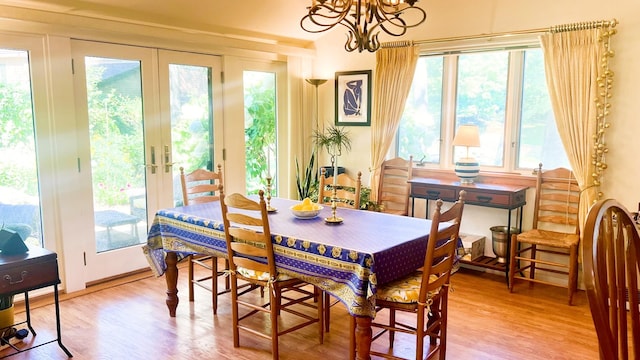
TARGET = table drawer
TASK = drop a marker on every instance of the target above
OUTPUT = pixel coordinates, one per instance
(16, 279)
(487, 199)
(434, 193)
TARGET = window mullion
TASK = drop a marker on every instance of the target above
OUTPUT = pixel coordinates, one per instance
(513, 109)
(448, 110)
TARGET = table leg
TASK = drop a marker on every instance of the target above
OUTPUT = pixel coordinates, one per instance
(171, 276)
(363, 335)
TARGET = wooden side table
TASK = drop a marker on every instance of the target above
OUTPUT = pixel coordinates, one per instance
(488, 195)
(36, 269)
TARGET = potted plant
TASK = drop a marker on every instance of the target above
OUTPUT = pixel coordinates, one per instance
(307, 182)
(335, 140)
(6, 311)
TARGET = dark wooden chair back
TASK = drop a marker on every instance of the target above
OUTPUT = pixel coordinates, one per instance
(611, 247)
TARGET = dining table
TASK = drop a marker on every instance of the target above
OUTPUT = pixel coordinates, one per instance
(349, 259)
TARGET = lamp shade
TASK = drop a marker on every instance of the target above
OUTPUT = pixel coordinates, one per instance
(467, 135)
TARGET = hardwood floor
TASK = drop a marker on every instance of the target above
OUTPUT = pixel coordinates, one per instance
(128, 319)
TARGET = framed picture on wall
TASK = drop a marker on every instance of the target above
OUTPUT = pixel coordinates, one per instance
(353, 98)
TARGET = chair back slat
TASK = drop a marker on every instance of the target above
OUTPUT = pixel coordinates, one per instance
(244, 219)
(611, 246)
(441, 247)
(200, 186)
(247, 263)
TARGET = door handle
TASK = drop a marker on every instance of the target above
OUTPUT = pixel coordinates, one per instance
(167, 160)
(153, 165)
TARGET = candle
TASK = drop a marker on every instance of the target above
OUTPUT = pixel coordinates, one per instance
(268, 161)
(335, 172)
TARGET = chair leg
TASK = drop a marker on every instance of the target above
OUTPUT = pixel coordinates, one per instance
(226, 278)
(190, 259)
(392, 322)
(512, 260)
(327, 310)
(322, 310)
(274, 300)
(352, 338)
(573, 272)
(443, 324)
(420, 326)
(214, 284)
(234, 310)
(532, 269)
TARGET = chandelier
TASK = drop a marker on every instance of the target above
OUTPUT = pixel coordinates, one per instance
(363, 19)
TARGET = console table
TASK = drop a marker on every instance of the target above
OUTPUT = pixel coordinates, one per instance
(35, 269)
(506, 197)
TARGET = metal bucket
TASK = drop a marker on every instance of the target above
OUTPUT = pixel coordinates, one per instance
(500, 241)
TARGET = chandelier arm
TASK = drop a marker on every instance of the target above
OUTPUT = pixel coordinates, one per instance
(362, 18)
(395, 19)
(324, 17)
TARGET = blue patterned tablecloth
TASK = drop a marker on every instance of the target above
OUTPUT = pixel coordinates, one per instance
(348, 260)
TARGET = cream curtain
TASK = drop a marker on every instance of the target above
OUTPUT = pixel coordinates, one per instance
(572, 64)
(395, 67)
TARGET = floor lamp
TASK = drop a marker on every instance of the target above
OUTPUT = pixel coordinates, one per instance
(316, 83)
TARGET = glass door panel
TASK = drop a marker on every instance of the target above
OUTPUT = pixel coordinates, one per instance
(19, 189)
(114, 99)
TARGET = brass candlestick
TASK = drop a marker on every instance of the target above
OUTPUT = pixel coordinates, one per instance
(269, 208)
(333, 219)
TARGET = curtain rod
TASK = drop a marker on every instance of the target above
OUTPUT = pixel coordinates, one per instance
(552, 29)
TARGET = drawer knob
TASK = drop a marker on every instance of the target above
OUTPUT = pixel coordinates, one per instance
(484, 199)
(23, 274)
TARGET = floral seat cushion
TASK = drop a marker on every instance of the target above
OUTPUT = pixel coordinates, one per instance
(405, 290)
(259, 275)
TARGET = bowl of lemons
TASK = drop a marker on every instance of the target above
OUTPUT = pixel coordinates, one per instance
(306, 209)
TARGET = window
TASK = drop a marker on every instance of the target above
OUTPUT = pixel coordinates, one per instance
(502, 91)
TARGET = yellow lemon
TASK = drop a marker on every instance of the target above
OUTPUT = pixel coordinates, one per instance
(297, 207)
(308, 207)
(306, 201)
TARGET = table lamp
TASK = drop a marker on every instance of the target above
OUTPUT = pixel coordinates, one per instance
(467, 168)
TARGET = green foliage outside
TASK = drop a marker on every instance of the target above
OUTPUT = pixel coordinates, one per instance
(115, 125)
(17, 140)
(260, 129)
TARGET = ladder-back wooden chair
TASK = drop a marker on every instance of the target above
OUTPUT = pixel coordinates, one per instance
(347, 190)
(555, 234)
(394, 187)
(201, 186)
(424, 293)
(611, 250)
(251, 259)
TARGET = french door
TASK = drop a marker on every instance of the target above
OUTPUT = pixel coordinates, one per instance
(142, 114)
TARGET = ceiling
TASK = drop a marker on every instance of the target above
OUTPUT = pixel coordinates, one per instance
(271, 19)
